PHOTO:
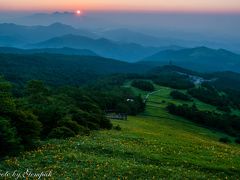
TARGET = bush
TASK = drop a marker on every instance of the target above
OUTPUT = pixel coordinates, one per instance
(81, 117)
(105, 123)
(227, 123)
(237, 140)
(9, 141)
(224, 108)
(28, 127)
(117, 127)
(7, 104)
(179, 95)
(225, 140)
(143, 85)
(211, 96)
(73, 125)
(61, 133)
(173, 80)
(93, 126)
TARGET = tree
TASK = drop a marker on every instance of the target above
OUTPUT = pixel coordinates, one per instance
(28, 127)
(143, 85)
(7, 104)
(36, 91)
(179, 95)
(9, 141)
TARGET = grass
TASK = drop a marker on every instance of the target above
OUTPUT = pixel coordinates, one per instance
(153, 145)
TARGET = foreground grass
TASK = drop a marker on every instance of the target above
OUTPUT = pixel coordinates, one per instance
(146, 148)
(153, 145)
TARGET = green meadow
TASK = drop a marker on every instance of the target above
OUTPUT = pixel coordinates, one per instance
(152, 145)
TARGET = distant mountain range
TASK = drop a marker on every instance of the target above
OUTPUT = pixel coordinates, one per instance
(85, 20)
(122, 51)
(120, 44)
(148, 29)
(64, 50)
(199, 59)
(129, 36)
(18, 35)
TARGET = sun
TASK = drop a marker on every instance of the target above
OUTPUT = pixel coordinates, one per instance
(78, 12)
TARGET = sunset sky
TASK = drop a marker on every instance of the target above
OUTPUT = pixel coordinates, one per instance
(128, 5)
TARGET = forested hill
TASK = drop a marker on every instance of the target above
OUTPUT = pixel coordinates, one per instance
(61, 69)
(198, 59)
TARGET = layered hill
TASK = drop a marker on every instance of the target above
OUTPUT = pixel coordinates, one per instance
(20, 35)
(64, 50)
(200, 59)
(58, 69)
(104, 47)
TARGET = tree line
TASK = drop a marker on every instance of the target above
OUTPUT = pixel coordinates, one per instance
(226, 122)
(41, 112)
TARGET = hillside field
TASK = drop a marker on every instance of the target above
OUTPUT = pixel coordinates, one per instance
(152, 145)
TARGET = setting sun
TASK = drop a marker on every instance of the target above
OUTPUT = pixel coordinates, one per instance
(78, 12)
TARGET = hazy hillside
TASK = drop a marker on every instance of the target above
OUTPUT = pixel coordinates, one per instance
(61, 69)
(172, 68)
(65, 50)
(19, 35)
(200, 59)
(129, 36)
(104, 47)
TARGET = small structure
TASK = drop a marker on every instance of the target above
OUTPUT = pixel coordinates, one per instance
(130, 100)
(118, 116)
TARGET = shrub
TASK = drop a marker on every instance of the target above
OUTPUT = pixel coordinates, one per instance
(143, 85)
(73, 125)
(105, 123)
(118, 128)
(28, 127)
(9, 141)
(7, 104)
(179, 95)
(227, 123)
(224, 108)
(173, 80)
(237, 140)
(212, 97)
(225, 140)
(61, 133)
(81, 117)
(93, 126)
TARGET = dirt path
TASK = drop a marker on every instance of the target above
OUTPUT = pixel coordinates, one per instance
(151, 93)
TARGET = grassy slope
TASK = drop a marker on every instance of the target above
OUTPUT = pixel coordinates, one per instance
(152, 145)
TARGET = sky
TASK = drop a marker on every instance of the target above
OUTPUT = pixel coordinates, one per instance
(219, 6)
(193, 22)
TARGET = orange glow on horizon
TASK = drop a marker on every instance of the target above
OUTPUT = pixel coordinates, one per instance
(124, 5)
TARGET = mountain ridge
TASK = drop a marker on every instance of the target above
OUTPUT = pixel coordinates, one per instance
(64, 50)
(126, 52)
(199, 58)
